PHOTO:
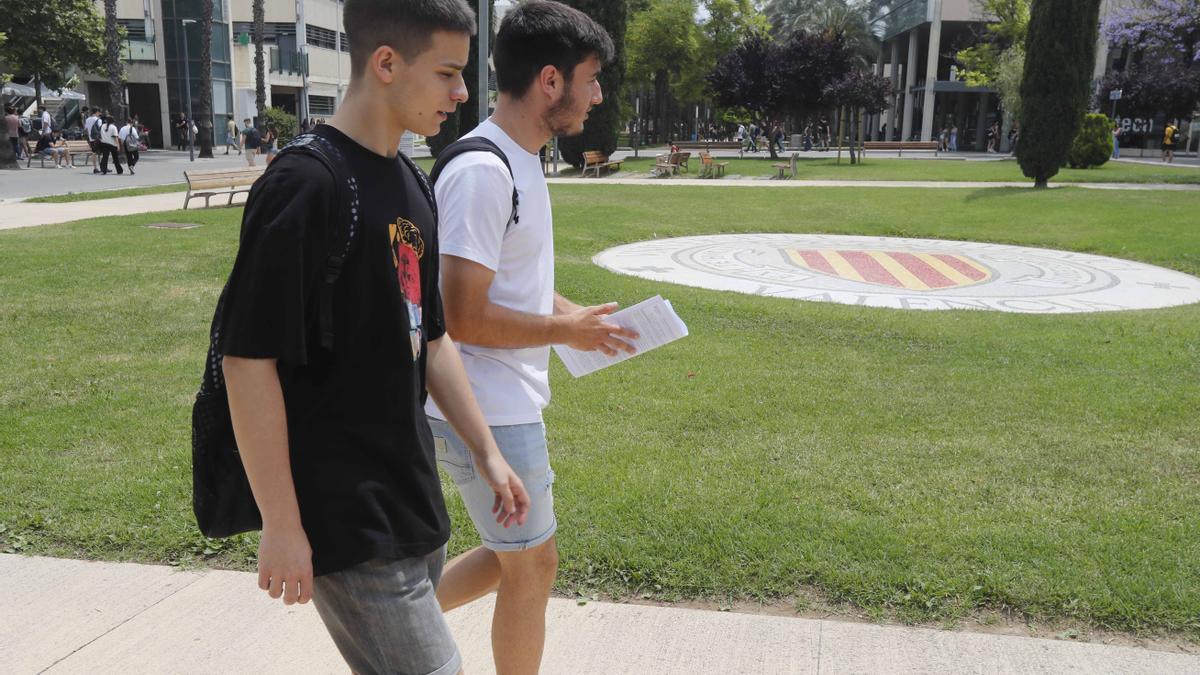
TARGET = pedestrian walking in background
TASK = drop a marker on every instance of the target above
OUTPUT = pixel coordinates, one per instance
(110, 144)
(131, 142)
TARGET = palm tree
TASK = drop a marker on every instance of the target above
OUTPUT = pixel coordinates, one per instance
(204, 113)
(260, 74)
(848, 18)
(112, 61)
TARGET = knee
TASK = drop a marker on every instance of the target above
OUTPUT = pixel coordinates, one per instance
(537, 565)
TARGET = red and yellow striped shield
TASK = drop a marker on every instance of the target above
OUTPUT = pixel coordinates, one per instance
(910, 271)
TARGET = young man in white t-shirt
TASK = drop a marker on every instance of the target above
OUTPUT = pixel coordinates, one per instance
(501, 308)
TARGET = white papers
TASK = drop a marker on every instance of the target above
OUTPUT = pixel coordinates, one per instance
(655, 322)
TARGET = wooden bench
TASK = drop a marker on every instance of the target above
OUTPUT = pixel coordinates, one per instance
(594, 159)
(671, 163)
(787, 170)
(74, 149)
(709, 168)
(901, 146)
(209, 184)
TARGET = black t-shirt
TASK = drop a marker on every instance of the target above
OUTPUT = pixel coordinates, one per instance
(361, 450)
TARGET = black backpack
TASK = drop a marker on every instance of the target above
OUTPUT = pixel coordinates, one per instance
(94, 134)
(221, 496)
(475, 144)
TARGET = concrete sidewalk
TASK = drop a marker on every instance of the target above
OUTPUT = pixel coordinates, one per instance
(67, 616)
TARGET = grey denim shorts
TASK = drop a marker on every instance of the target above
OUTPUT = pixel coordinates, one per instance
(384, 616)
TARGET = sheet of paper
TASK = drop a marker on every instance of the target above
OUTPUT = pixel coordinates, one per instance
(654, 320)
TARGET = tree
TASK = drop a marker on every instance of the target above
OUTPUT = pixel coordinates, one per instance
(980, 62)
(857, 92)
(55, 35)
(204, 105)
(604, 123)
(1162, 71)
(260, 66)
(466, 117)
(662, 42)
(750, 77)
(1060, 51)
(112, 61)
(1094, 144)
(847, 19)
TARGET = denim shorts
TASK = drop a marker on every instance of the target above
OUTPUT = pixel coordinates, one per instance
(524, 447)
(384, 616)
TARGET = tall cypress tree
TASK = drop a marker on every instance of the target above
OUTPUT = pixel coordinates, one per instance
(1060, 52)
(601, 129)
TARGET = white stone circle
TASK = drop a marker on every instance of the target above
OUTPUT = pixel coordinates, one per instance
(927, 274)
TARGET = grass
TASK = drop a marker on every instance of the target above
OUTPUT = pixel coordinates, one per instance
(426, 164)
(109, 194)
(884, 167)
(922, 465)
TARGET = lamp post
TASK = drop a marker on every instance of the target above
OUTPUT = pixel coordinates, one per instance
(187, 80)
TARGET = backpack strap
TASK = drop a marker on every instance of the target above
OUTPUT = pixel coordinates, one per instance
(423, 181)
(331, 158)
(476, 144)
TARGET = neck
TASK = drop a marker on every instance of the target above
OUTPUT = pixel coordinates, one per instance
(367, 120)
(522, 123)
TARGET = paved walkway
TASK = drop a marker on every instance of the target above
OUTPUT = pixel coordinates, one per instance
(67, 616)
(16, 213)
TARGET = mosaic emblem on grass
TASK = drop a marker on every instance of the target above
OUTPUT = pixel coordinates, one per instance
(899, 273)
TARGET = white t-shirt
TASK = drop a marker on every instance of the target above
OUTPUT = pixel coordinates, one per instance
(47, 123)
(108, 134)
(90, 122)
(127, 131)
(474, 195)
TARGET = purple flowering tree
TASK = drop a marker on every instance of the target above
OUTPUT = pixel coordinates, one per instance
(1162, 73)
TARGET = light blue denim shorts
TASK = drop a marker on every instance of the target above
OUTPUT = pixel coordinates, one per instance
(524, 447)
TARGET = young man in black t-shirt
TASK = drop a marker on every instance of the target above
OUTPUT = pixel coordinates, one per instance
(335, 442)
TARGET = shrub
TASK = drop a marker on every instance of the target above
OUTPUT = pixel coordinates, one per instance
(1093, 144)
(283, 122)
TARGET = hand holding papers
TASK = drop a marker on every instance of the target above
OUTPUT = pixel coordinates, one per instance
(656, 323)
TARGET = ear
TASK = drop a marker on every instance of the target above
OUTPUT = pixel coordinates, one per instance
(550, 82)
(384, 64)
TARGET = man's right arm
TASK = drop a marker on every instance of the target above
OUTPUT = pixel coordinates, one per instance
(260, 426)
(472, 318)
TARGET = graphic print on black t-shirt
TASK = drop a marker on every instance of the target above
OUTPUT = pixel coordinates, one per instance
(407, 249)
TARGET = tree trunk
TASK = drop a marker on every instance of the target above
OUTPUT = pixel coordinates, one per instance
(840, 119)
(205, 113)
(37, 90)
(112, 62)
(662, 122)
(260, 66)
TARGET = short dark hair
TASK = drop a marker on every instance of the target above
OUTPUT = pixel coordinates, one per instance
(545, 33)
(405, 25)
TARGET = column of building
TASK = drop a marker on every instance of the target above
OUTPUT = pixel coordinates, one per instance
(931, 70)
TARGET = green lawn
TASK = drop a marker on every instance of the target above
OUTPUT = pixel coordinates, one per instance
(920, 465)
(109, 194)
(426, 164)
(884, 166)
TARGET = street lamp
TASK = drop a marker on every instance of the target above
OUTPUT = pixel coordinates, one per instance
(187, 80)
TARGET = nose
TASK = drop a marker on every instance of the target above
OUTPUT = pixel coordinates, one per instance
(460, 94)
(597, 94)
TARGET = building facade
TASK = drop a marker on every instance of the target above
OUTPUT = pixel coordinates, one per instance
(307, 61)
(920, 40)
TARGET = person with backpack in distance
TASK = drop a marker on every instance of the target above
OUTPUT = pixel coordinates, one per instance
(131, 142)
(330, 333)
(109, 145)
(497, 251)
(251, 139)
